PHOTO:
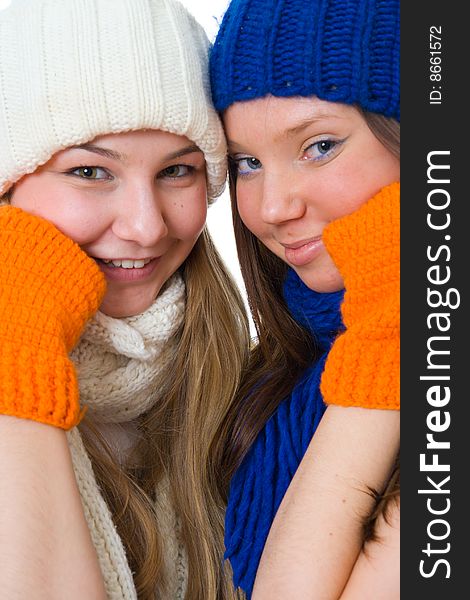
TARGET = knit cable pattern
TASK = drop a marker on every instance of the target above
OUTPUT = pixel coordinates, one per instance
(49, 288)
(121, 364)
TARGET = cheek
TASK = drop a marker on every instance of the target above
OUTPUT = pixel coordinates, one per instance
(347, 192)
(80, 224)
(78, 220)
(187, 216)
(358, 183)
(378, 169)
(248, 210)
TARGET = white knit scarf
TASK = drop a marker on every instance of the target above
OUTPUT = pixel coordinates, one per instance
(119, 362)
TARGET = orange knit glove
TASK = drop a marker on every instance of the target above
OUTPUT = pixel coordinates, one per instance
(363, 366)
(49, 288)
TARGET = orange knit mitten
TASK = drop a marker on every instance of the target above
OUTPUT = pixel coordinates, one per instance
(363, 366)
(49, 288)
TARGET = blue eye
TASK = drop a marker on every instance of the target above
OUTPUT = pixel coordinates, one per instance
(321, 149)
(176, 171)
(247, 165)
(90, 173)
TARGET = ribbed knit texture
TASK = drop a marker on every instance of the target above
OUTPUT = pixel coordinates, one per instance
(260, 483)
(71, 70)
(363, 368)
(120, 365)
(49, 288)
(339, 50)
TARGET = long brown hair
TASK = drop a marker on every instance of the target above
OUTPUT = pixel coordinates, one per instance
(180, 439)
(280, 355)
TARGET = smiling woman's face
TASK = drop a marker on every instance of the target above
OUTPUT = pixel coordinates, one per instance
(302, 163)
(135, 202)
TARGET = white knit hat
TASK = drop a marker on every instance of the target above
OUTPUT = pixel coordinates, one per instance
(71, 70)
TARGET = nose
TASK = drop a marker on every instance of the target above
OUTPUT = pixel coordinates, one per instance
(141, 217)
(281, 200)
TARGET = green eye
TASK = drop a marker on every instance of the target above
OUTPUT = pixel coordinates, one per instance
(172, 171)
(90, 173)
(176, 171)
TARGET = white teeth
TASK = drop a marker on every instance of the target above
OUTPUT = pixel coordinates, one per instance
(127, 264)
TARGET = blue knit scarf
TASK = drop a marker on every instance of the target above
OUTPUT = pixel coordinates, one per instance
(261, 481)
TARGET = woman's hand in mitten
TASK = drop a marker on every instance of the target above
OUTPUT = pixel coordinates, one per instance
(362, 368)
(49, 288)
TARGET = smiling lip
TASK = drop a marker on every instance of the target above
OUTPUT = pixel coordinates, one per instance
(303, 252)
(128, 275)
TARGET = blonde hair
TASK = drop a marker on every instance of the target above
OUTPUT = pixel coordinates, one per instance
(181, 439)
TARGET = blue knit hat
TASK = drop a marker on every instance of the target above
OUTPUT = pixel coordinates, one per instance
(338, 50)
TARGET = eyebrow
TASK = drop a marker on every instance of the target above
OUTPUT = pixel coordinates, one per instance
(182, 152)
(114, 155)
(106, 152)
(304, 123)
(290, 131)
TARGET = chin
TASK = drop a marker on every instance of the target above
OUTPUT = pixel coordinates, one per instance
(121, 313)
(323, 283)
(121, 309)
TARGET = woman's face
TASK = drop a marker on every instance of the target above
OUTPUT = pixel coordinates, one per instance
(302, 163)
(135, 202)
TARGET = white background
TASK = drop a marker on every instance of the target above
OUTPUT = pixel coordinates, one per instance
(209, 13)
